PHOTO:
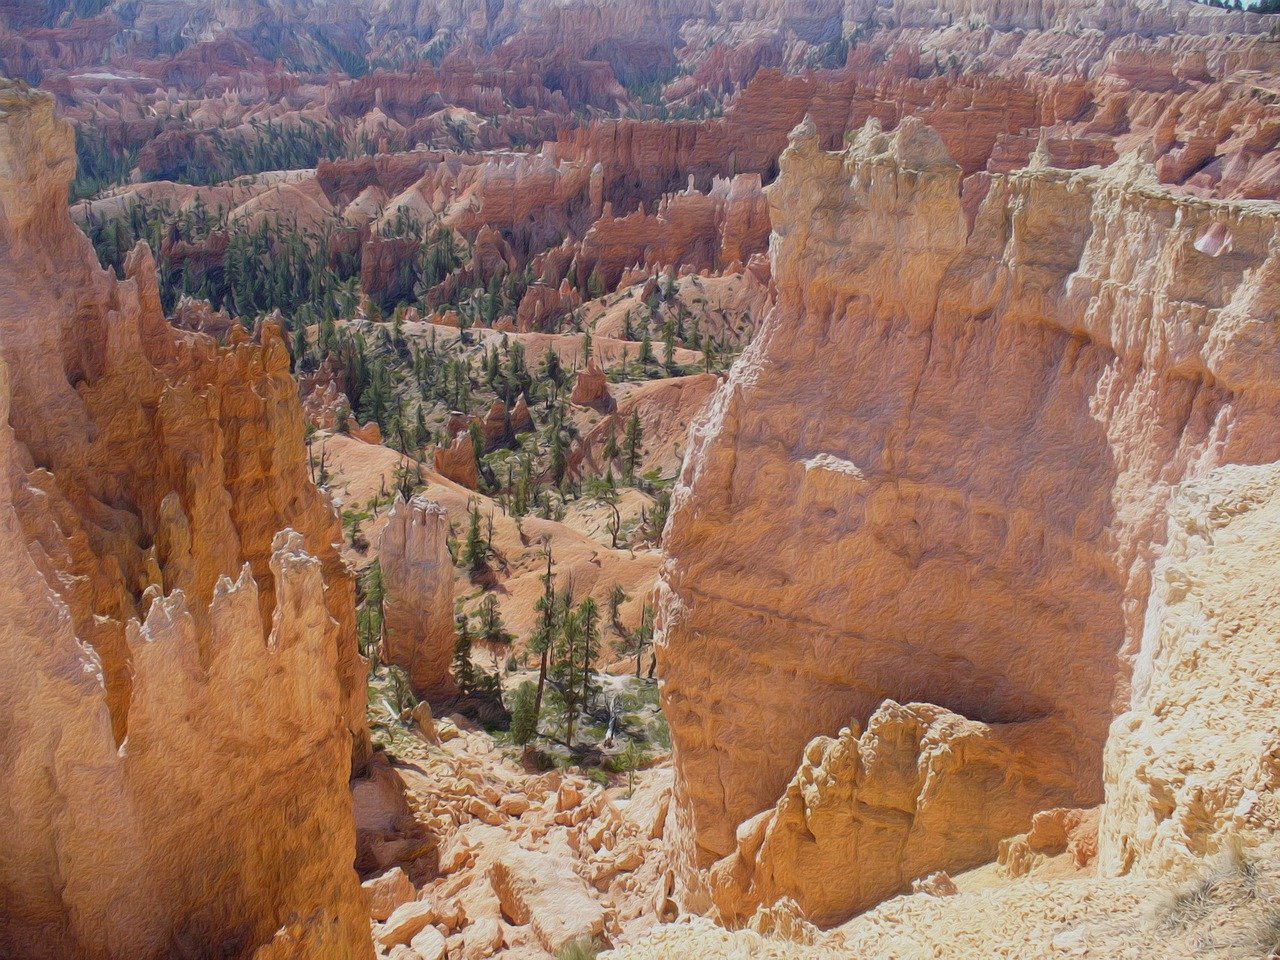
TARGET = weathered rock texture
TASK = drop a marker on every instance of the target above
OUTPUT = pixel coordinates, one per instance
(591, 386)
(417, 575)
(146, 697)
(1189, 846)
(457, 461)
(1195, 762)
(940, 473)
(922, 789)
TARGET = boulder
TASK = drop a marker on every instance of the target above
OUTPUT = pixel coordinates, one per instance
(388, 892)
(541, 890)
(407, 921)
(429, 944)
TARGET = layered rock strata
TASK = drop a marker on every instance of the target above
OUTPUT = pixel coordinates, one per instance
(145, 694)
(1006, 403)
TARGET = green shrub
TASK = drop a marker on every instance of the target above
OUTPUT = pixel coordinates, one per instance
(582, 949)
(524, 721)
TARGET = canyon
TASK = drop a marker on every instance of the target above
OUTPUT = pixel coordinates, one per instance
(652, 480)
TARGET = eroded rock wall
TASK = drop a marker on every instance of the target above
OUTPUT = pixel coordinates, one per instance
(177, 742)
(940, 472)
(1188, 844)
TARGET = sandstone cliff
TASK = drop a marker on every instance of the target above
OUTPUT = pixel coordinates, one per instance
(177, 743)
(1005, 404)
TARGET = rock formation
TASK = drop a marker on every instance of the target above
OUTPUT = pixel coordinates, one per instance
(972, 540)
(665, 409)
(417, 576)
(591, 386)
(922, 789)
(530, 861)
(521, 416)
(145, 695)
(542, 304)
(1187, 853)
(730, 221)
(1007, 405)
(457, 461)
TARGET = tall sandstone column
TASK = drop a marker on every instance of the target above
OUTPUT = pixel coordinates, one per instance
(417, 578)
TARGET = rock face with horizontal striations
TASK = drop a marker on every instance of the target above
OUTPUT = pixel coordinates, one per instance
(176, 626)
(417, 576)
(1008, 402)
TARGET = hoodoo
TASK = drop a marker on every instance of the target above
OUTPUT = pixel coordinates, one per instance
(177, 654)
(417, 574)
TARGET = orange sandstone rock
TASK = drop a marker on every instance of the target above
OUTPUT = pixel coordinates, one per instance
(457, 461)
(971, 521)
(146, 692)
(417, 573)
(591, 387)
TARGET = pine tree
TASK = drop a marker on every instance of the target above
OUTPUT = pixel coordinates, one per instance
(299, 347)
(655, 519)
(603, 492)
(489, 622)
(617, 597)
(517, 374)
(589, 618)
(632, 439)
(474, 553)
(566, 669)
(552, 371)
(646, 351)
(610, 452)
(524, 715)
(369, 613)
(464, 671)
(491, 368)
(559, 456)
(544, 634)
(643, 637)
